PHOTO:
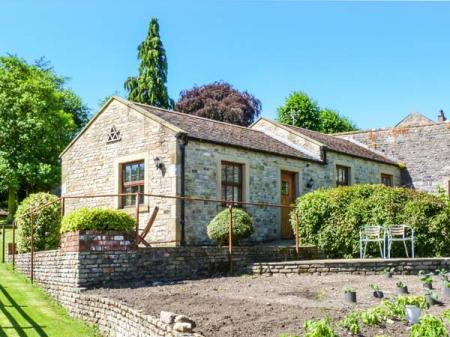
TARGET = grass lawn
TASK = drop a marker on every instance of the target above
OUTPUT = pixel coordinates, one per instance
(26, 310)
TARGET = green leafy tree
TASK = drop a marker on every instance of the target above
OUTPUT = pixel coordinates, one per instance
(331, 122)
(301, 110)
(149, 86)
(36, 123)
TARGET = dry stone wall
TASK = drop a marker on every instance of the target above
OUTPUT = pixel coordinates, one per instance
(65, 276)
(353, 266)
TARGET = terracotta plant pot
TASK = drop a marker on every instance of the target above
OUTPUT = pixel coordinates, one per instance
(350, 296)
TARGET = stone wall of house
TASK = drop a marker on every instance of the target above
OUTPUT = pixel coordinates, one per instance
(261, 184)
(424, 149)
(360, 267)
(92, 166)
(362, 171)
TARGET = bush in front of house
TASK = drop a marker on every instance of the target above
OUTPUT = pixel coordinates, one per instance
(97, 219)
(47, 222)
(331, 218)
(242, 226)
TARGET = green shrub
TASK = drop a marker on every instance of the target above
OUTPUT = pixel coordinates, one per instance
(429, 326)
(331, 218)
(97, 219)
(47, 222)
(242, 226)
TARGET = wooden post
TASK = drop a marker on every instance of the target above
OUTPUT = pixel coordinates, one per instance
(32, 248)
(137, 220)
(14, 245)
(62, 206)
(230, 237)
(3, 241)
(297, 238)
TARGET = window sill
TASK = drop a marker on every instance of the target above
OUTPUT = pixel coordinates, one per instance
(143, 208)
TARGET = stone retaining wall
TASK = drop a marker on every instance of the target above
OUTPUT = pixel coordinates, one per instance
(354, 266)
(65, 276)
(100, 268)
(114, 319)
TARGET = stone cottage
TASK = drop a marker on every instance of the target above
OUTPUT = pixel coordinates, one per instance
(129, 147)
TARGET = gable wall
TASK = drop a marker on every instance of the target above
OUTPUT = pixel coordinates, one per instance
(303, 143)
(91, 166)
(424, 149)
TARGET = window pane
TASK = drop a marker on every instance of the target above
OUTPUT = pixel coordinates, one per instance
(141, 171)
(127, 173)
(229, 193)
(237, 194)
(237, 174)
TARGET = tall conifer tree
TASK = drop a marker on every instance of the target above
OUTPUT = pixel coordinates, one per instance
(149, 86)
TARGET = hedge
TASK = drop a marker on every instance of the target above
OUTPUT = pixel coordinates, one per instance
(331, 218)
(242, 226)
(97, 219)
(47, 222)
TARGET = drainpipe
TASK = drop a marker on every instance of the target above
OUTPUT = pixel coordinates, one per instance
(182, 142)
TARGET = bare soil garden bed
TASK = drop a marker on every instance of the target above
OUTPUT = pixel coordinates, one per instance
(270, 305)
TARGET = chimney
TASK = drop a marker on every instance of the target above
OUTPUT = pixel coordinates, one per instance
(441, 116)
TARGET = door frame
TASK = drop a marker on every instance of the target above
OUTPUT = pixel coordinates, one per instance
(297, 192)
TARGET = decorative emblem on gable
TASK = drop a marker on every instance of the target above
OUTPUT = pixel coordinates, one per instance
(113, 135)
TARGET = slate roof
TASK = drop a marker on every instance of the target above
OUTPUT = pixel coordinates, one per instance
(342, 145)
(209, 130)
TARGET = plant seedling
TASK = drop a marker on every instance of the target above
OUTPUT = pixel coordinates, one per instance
(350, 295)
(351, 323)
(443, 273)
(402, 288)
(429, 326)
(374, 287)
(388, 272)
(427, 281)
(319, 328)
(431, 297)
(377, 293)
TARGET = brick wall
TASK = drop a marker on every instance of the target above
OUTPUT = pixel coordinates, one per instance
(85, 241)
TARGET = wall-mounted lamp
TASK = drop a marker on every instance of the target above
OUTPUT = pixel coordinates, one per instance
(310, 183)
(158, 163)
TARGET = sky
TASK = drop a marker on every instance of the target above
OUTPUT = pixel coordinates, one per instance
(374, 62)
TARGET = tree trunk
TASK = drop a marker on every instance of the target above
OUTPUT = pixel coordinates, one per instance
(12, 202)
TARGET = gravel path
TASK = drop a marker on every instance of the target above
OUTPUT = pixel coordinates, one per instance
(268, 305)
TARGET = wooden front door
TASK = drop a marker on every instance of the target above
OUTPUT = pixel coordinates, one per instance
(288, 195)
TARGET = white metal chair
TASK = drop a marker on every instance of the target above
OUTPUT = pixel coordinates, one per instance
(371, 234)
(401, 233)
